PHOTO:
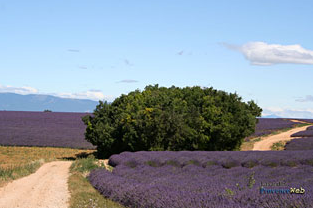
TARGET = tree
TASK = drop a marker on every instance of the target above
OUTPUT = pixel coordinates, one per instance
(159, 118)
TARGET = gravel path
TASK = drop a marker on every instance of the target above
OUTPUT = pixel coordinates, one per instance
(46, 188)
(266, 143)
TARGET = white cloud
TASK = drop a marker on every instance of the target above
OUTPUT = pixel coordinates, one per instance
(127, 81)
(83, 67)
(90, 94)
(73, 50)
(260, 53)
(180, 53)
(275, 109)
(308, 98)
(288, 113)
(127, 62)
(18, 90)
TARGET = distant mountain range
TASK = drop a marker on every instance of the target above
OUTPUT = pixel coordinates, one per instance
(36, 102)
(271, 116)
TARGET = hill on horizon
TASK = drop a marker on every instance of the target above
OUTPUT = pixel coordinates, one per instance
(271, 116)
(38, 102)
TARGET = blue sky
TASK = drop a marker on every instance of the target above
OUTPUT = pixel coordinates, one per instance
(263, 50)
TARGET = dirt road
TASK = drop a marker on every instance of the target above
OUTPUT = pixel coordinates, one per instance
(46, 188)
(267, 142)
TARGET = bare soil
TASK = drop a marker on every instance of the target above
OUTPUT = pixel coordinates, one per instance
(46, 188)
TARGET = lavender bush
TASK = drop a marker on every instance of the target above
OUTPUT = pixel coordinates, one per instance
(300, 144)
(307, 133)
(43, 129)
(206, 179)
(310, 128)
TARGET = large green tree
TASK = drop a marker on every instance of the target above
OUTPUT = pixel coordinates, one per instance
(159, 118)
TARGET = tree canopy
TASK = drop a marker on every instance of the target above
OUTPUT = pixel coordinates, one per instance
(160, 118)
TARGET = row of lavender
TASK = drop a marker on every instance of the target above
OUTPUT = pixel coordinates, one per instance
(307, 133)
(43, 129)
(303, 143)
(300, 144)
(207, 179)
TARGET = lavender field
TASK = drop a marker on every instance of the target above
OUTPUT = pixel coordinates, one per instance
(300, 144)
(310, 128)
(303, 143)
(43, 129)
(20, 128)
(306, 133)
(208, 179)
(268, 125)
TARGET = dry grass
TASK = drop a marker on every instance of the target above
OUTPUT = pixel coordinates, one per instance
(16, 162)
(247, 146)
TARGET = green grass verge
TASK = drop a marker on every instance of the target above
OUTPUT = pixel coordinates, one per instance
(83, 194)
(278, 145)
(84, 165)
(303, 124)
